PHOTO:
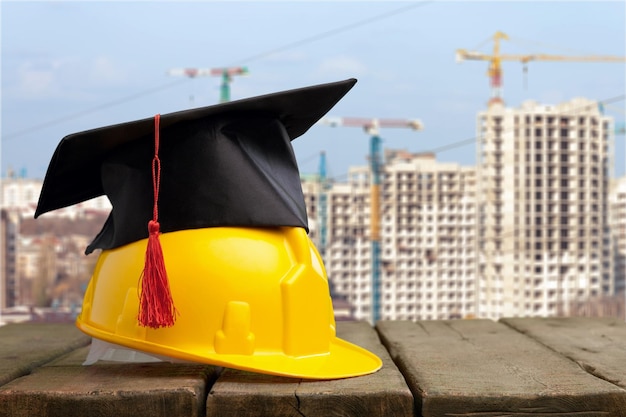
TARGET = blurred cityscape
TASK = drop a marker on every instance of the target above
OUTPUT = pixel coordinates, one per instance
(536, 228)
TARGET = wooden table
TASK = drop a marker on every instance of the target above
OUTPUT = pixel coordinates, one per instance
(478, 368)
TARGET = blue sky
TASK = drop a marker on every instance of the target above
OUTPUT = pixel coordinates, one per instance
(72, 66)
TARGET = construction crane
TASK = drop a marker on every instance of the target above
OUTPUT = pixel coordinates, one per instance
(495, 62)
(371, 127)
(324, 186)
(226, 74)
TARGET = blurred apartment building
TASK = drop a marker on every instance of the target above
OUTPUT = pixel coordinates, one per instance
(525, 233)
(427, 238)
(42, 260)
(543, 218)
(617, 201)
(19, 198)
(8, 253)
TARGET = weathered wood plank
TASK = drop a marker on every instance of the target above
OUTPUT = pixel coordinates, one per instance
(482, 368)
(66, 389)
(244, 394)
(596, 344)
(26, 346)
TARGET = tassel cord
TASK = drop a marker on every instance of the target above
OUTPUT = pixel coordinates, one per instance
(156, 305)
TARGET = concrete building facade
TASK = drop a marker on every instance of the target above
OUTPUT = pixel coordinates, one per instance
(543, 225)
(427, 238)
(30, 266)
(618, 231)
(9, 234)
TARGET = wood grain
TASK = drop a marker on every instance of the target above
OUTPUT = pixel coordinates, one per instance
(383, 393)
(483, 368)
(598, 345)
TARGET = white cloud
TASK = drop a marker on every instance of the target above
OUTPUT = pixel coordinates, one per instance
(35, 82)
(103, 69)
(67, 78)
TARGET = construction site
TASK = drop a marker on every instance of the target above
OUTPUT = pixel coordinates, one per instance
(529, 231)
(536, 228)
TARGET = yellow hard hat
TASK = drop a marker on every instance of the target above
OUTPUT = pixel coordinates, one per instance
(255, 299)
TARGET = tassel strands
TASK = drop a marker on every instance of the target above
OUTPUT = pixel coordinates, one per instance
(156, 305)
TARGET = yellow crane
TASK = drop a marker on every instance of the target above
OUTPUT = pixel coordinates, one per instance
(495, 62)
(371, 127)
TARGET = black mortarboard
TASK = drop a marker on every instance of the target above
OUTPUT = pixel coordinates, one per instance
(225, 165)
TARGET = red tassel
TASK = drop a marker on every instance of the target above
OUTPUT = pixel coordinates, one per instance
(156, 306)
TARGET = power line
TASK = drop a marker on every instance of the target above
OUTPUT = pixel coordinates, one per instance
(90, 110)
(309, 158)
(153, 90)
(341, 29)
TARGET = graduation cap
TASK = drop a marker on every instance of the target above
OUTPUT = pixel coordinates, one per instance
(230, 164)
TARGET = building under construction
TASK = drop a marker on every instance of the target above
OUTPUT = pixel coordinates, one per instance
(617, 198)
(427, 238)
(543, 221)
(525, 233)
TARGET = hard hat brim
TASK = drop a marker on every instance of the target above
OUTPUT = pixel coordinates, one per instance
(344, 359)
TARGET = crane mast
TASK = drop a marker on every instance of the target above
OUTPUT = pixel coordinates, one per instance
(322, 202)
(371, 127)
